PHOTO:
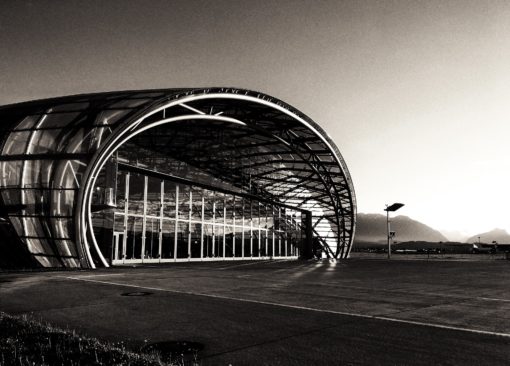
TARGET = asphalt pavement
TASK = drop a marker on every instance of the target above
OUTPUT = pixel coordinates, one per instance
(353, 312)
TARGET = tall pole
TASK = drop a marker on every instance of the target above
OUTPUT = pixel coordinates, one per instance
(393, 207)
(388, 232)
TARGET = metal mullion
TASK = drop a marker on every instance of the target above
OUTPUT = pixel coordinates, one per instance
(258, 227)
(286, 238)
(234, 227)
(126, 211)
(176, 219)
(161, 203)
(279, 231)
(242, 224)
(224, 225)
(272, 231)
(251, 228)
(202, 228)
(144, 220)
(189, 221)
(213, 227)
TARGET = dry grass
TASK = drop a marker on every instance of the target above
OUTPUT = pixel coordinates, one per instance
(25, 341)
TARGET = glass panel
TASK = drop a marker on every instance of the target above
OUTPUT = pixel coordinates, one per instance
(153, 196)
(167, 249)
(110, 117)
(270, 243)
(33, 227)
(263, 243)
(28, 122)
(58, 119)
(229, 205)
(134, 238)
(16, 143)
(10, 173)
(196, 232)
(255, 213)
(263, 219)
(208, 240)
(136, 187)
(169, 200)
(255, 243)
(38, 172)
(152, 238)
(182, 240)
(247, 243)
(208, 206)
(218, 241)
(238, 242)
(196, 211)
(45, 141)
(66, 248)
(184, 202)
(130, 103)
(70, 107)
(121, 191)
(220, 203)
(229, 241)
(79, 141)
(118, 223)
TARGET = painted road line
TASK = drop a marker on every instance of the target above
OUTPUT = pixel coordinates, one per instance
(364, 316)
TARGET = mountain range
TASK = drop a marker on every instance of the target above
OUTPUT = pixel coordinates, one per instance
(371, 228)
(498, 235)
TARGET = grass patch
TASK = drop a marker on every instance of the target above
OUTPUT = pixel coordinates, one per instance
(25, 341)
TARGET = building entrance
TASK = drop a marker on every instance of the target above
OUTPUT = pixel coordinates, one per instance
(156, 219)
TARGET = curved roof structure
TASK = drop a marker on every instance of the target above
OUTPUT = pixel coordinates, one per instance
(53, 152)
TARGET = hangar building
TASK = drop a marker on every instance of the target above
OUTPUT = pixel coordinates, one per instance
(169, 175)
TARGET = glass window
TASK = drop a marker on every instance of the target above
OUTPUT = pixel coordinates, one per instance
(168, 233)
(153, 196)
(182, 240)
(16, 143)
(218, 241)
(38, 172)
(229, 206)
(208, 205)
(28, 122)
(58, 119)
(10, 173)
(208, 240)
(45, 141)
(196, 233)
(152, 238)
(184, 198)
(79, 141)
(136, 188)
(229, 241)
(121, 191)
(196, 209)
(169, 200)
(220, 204)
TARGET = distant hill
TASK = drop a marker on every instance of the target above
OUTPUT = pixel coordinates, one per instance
(371, 228)
(498, 235)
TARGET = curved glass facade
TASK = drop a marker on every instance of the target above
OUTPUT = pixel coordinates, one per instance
(170, 175)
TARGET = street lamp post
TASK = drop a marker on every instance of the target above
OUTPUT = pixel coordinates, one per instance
(393, 207)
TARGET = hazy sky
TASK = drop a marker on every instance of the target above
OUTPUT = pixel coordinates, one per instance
(415, 94)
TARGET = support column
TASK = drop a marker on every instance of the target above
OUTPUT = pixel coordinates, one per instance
(161, 203)
(144, 219)
(307, 242)
(176, 220)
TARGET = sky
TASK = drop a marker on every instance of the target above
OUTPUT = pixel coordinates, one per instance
(414, 93)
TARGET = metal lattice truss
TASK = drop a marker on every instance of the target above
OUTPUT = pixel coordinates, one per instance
(243, 140)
